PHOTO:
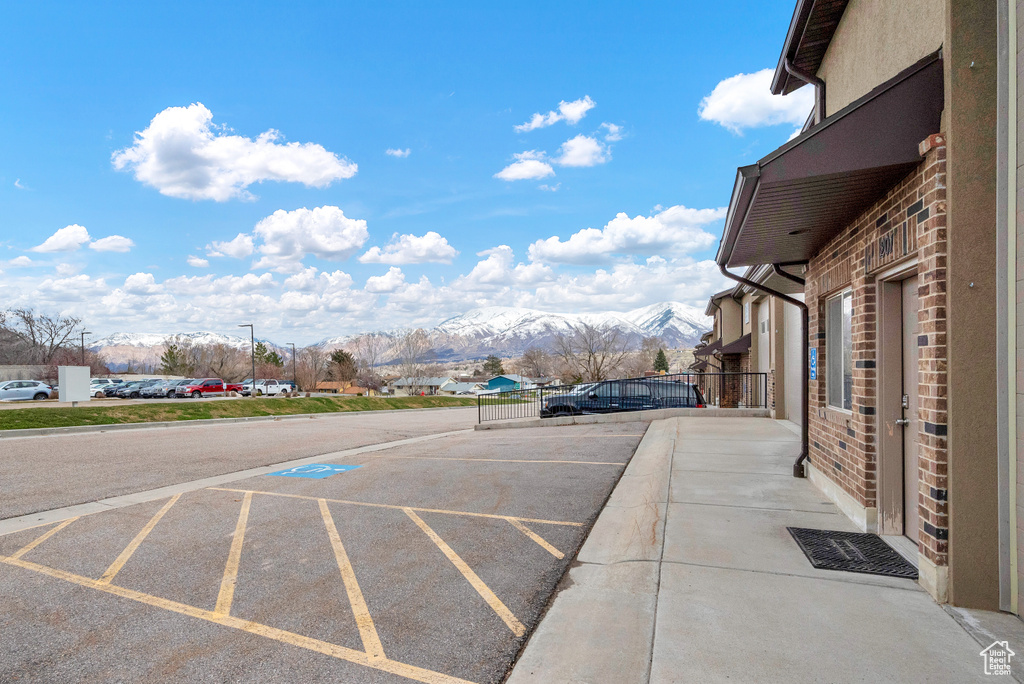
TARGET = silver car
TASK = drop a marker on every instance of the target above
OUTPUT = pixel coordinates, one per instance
(24, 390)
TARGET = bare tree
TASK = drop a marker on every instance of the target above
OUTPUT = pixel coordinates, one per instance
(414, 352)
(536, 363)
(590, 353)
(638, 362)
(370, 349)
(311, 367)
(33, 338)
(66, 356)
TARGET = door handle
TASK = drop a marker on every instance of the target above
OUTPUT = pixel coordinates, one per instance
(903, 422)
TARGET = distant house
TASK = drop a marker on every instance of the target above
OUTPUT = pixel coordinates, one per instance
(424, 385)
(504, 383)
(462, 387)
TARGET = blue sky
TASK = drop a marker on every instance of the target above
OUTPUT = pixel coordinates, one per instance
(136, 152)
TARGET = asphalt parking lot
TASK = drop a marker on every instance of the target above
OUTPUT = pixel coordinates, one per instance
(429, 562)
(42, 473)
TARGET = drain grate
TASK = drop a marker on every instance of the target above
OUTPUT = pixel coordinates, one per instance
(851, 552)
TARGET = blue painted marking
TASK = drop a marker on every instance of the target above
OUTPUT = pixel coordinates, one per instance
(814, 364)
(316, 471)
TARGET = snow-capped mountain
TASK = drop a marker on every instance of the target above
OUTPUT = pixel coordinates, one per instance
(500, 330)
(144, 349)
(509, 331)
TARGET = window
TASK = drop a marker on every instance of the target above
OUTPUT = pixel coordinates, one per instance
(746, 312)
(607, 390)
(839, 350)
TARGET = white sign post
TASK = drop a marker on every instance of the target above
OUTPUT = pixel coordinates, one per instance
(73, 384)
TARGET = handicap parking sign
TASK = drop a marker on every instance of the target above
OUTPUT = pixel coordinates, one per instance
(316, 471)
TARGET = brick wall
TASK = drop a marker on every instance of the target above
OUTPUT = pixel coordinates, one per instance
(843, 444)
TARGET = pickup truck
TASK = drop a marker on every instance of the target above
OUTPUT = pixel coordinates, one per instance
(207, 387)
(268, 387)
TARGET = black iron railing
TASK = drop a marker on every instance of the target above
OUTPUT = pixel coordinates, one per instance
(681, 390)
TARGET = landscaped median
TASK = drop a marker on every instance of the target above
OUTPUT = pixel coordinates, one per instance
(19, 419)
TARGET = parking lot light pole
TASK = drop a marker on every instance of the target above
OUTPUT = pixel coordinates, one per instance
(295, 376)
(84, 333)
(252, 355)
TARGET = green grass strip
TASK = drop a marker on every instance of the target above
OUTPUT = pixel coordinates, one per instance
(187, 409)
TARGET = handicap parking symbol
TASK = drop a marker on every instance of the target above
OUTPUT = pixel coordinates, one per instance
(316, 471)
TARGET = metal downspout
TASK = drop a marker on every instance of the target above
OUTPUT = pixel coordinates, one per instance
(798, 467)
(819, 88)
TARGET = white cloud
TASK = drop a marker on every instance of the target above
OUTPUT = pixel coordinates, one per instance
(324, 232)
(570, 112)
(112, 243)
(549, 188)
(410, 249)
(674, 230)
(141, 283)
(18, 184)
(197, 262)
(745, 101)
(66, 239)
(529, 165)
(20, 262)
(183, 154)
(65, 269)
(238, 247)
(389, 282)
(582, 151)
(398, 152)
(613, 132)
(79, 288)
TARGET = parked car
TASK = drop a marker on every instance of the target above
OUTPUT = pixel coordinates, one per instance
(206, 387)
(24, 390)
(292, 387)
(133, 390)
(268, 387)
(623, 395)
(172, 391)
(158, 390)
(99, 390)
(233, 387)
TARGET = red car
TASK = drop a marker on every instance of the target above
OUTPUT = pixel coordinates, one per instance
(233, 387)
(207, 387)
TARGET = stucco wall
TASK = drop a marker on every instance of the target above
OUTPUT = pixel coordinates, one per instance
(875, 40)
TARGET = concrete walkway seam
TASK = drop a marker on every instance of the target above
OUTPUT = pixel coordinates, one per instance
(24, 522)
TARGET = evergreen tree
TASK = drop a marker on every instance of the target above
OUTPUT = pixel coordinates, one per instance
(661, 361)
(492, 366)
(343, 365)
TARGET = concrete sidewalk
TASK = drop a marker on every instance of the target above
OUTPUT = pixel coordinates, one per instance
(690, 575)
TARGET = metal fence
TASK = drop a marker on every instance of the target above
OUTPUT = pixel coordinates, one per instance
(681, 390)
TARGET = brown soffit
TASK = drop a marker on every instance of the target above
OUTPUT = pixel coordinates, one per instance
(740, 346)
(710, 349)
(787, 206)
(810, 32)
(698, 366)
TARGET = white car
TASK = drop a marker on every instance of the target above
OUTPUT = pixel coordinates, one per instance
(265, 387)
(24, 390)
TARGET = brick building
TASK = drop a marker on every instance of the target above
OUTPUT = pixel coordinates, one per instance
(754, 333)
(887, 204)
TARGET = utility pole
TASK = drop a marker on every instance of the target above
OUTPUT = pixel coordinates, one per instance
(252, 355)
(295, 376)
(84, 333)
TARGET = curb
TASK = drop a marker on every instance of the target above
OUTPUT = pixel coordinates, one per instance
(625, 417)
(610, 593)
(75, 429)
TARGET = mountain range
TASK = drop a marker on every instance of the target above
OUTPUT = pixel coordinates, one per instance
(498, 330)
